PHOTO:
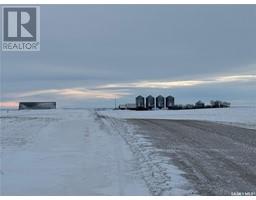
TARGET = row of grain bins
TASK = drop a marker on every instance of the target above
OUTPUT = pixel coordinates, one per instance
(168, 102)
(159, 102)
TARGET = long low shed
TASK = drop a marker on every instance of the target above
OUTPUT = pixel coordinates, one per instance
(36, 105)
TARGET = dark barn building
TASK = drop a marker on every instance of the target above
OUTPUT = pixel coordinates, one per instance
(199, 104)
(36, 105)
(220, 104)
(140, 102)
(160, 102)
(150, 102)
(216, 104)
(169, 102)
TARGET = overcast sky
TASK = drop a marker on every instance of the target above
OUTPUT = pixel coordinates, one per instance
(91, 54)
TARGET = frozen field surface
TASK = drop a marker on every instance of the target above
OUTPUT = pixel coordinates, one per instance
(107, 152)
(238, 116)
(65, 152)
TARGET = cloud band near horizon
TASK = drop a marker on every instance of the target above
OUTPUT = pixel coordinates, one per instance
(118, 90)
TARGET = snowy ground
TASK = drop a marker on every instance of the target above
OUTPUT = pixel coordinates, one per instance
(65, 152)
(107, 152)
(78, 152)
(238, 116)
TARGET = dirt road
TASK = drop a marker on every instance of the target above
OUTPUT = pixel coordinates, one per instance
(217, 159)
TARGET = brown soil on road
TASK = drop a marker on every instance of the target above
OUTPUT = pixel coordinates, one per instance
(217, 159)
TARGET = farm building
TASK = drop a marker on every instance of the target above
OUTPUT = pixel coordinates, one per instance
(140, 103)
(36, 105)
(150, 102)
(121, 107)
(189, 106)
(131, 106)
(169, 102)
(160, 102)
(199, 104)
(219, 104)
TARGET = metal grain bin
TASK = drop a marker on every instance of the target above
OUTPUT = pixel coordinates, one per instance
(169, 102)
(160, 102)
(150, 102)
(140, 102)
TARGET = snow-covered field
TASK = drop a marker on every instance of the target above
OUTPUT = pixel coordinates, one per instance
(65, 152)
(238, 116)
(77, 152)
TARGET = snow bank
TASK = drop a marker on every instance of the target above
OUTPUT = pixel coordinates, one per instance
(160, 174)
